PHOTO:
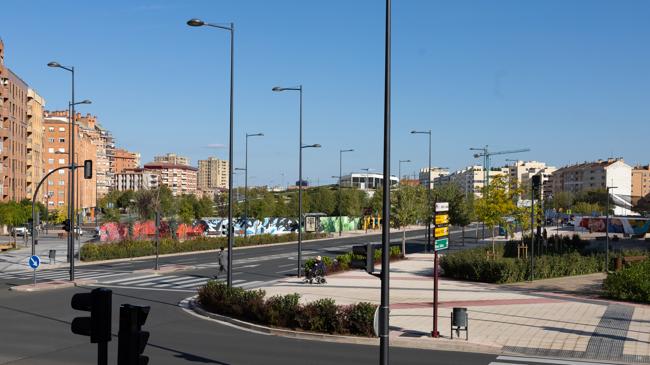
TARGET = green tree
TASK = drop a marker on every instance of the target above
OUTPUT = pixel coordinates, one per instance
(204, 207)
(406, 206)
(186, 209)
(145, 204)
(497, 202)
(124, 200)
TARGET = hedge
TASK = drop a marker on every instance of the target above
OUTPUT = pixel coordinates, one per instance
(343, 262)
(285, 311)
(129, 248)
(632, 283)
(474, 265)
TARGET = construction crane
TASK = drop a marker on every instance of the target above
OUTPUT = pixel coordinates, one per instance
(487, 155)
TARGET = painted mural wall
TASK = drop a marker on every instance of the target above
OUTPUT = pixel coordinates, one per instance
(632, 226)
(331, 224)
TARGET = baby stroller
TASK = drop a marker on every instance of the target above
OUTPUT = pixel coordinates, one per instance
(316, 274)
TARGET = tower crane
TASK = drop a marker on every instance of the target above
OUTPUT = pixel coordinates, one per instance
(487, 155)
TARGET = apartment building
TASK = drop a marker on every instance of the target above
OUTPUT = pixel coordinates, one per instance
(522, 172)
(125, 160)
(55, 154)
(181, 179)
(213, 174)
(13, 135)
(366, 181)
(471, 179)
(641, 182)
(35, 168)
(600, 174)
(430, 174)
(172, 158)
(137, 179)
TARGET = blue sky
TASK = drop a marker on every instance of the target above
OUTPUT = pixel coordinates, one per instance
(568, 79)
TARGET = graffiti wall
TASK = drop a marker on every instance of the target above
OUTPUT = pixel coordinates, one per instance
(269, 225)
(635, 227)
(111, 232)
(331, 224)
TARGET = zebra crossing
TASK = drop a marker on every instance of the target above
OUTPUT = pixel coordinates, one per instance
(521, 360)
(61, 274)
(170, 282)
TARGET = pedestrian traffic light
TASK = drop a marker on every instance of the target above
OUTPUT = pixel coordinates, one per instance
(370, 258)
(98, 325)
(537, 182)
(66, 225)
(131, 339)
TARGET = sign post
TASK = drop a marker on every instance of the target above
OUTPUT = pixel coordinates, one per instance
(34, 262)
(441, 231)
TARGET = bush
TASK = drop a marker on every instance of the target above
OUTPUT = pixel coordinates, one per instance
(632, 283)
(133, 248)
(474, 265)
(342, 262)
(286, 311)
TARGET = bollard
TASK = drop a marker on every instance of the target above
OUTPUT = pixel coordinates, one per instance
(52, 256)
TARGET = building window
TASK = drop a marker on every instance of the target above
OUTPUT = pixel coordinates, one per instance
(51, 140)
(61, 140)
(50, 203)
(51, 129)
(61, 129)
(60, 203)
(62, 161)
(61, 183)
(50, 182)
(62, 150)
(61, 172)
(50, 150)
(50, 161)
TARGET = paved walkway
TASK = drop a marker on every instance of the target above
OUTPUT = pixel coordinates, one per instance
(526, 319)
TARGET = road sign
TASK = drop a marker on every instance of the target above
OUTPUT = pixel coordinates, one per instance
(442, 207)
(442, 244)
(441, 231)
(442, 219)
(34, 262)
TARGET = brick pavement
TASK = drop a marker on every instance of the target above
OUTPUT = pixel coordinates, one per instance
(513, 318)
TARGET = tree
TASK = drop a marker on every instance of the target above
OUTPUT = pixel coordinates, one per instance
(186, 209)
(406, 206)
(204, 207)
(496, 203)
(145, 204)
(124, 200)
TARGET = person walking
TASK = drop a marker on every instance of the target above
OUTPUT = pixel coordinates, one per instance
(221, 262)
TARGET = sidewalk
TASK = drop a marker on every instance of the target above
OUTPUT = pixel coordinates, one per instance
(16, 260)
(511, 318)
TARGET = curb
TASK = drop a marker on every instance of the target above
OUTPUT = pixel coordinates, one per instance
(50, 285)
(190, 304)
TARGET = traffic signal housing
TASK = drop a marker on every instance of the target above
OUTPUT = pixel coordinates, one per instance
(368, 261)
(98, 326)
(132, 340)
(66, 225)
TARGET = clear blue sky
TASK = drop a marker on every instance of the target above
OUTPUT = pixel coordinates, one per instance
(568, 79)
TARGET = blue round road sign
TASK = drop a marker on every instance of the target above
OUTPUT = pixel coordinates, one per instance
(34, 262)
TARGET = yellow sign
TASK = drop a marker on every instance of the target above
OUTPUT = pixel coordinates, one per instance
(442, 218)
(442, 231)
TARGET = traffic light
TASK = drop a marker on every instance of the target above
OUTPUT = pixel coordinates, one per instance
(88, 169)
(98, 325)
(131, 339)
(537, 182)
(66, 225)
(370, 258)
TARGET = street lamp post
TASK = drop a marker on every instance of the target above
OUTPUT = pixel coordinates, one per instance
(300, 148)
(367, 170)
(399, 171)
(246, 183)
(231, 29)
(340, 174)
(428, 189)
(607, 230)
(71, 172)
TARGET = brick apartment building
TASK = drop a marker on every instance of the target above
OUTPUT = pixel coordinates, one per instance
(641, 182)
(35, 168)
(212, 174)
(125, 160)
(181, 179)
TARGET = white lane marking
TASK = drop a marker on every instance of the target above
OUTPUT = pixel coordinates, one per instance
(248, 266)
(195, 284)
(505, 363)
(251, 284)
(286, 265)
(167, 281)
(549, 361)
(185, 280)
(287, 270)
(129, 280)
(145, 288)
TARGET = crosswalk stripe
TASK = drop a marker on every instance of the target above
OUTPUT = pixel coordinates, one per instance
(171, 281)
(131, 280)
(194, 284)
(548, 361)
(505, 363)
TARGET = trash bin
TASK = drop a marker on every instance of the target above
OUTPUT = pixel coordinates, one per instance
(52, 256)
(459, 322)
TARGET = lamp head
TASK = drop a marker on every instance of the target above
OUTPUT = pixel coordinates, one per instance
(195, 22)
(277, 88)
(476, 155)
(54, 64)
(86, 102)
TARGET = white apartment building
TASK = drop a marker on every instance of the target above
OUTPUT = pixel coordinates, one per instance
(600, 174)
(471, 178)
(523, 171)
(429, 175)
(366, 181)
(136, 179)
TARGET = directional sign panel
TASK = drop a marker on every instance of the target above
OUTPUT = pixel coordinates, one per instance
(442, 231)
(34, 262)
(442, 219)
(442, 207)
(442, 244)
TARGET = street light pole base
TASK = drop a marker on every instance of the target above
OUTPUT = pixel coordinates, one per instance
(435, 334)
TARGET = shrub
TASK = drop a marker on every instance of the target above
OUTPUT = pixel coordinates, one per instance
(631, 283)
(342, 262)
(286, 311)
(134, 248)
(474, 265)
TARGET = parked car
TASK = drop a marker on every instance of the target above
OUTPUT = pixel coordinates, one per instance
(20, 231)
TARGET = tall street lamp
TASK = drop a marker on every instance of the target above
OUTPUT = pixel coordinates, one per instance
(71, 173)
(367, 170)
(607, 230)
(231, 29)
(341, 152)
(399, 171)
(428, 189)
(246, 183)
(300, 147)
